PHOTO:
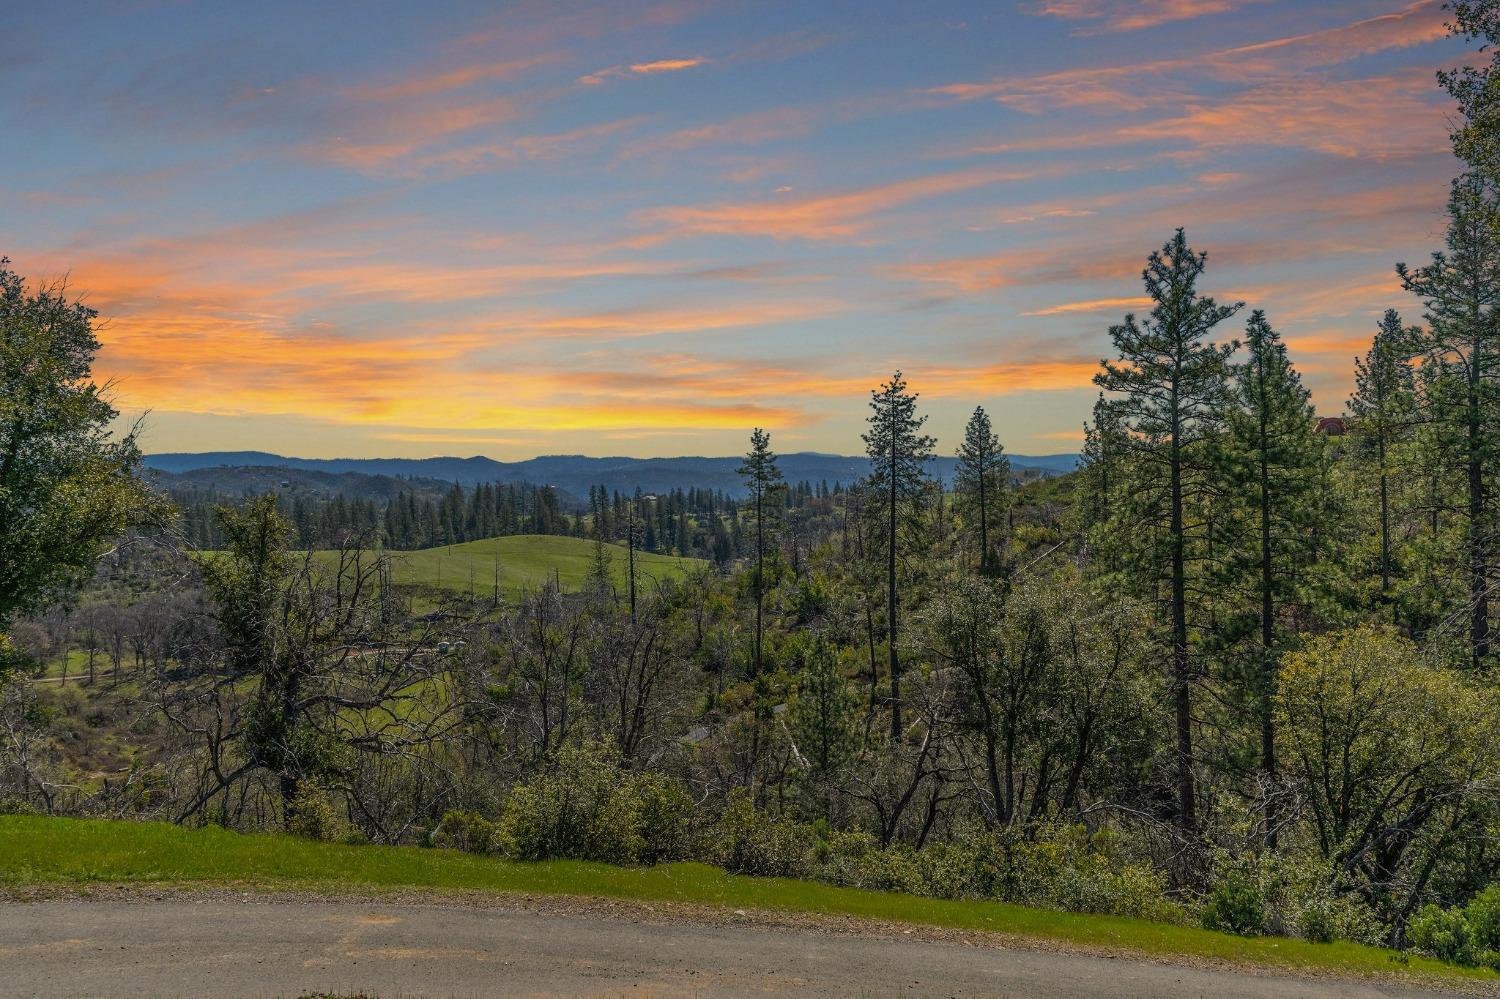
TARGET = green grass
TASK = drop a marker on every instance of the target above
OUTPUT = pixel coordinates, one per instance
(526, 562)
(36, 850)
(75, 663)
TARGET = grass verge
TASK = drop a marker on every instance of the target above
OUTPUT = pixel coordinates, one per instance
(36, 850)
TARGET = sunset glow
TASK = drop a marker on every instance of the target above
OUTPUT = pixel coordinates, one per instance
(643, 228)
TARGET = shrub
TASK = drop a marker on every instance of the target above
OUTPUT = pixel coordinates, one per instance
(748, 841)
(1443, 933)
(1316, 923)
(312, 816)
(1234, 906)
(588, 808)
(1483, 916)
(461, 830)
(663, 815)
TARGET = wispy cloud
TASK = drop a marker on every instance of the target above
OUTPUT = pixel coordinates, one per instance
(641, 69)
(1093, 305)
(819, 217)
(1133, 15)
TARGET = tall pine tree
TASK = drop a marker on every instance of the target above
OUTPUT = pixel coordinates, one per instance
(899, 453)
(1168, 388)
(982, 481)
(762, 479)
(1381, 412)
(1274, 469)
(1461, 289)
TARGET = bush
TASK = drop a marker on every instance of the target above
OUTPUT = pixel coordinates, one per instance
(1234, 906)
(1316, 923)
(588, 808)
(663, 815)
(1483, 916)
(1442, 933)
(1470, 935)
(461, 830)
(748, 841)
(312, 816)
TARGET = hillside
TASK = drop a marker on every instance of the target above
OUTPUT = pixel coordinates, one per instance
(244, 480)
(526, 562)
(576, 474)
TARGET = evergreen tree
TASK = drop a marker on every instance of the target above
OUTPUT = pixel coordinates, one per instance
(762, 478)
(1381, 411)
(899, 453)
(1274, 467)
(1169, 389)
(824, 720)
(1461, 289)
(982, 481)
(1476, 134)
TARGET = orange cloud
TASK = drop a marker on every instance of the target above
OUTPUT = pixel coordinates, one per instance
(1093, 305)
(820, 217)
(641, 69)
(437, 81)
(1377, 116)
(1167, 83)
(1124, 15)
(746, 129)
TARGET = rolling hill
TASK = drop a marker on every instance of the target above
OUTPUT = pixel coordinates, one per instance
(575, 474)
(525, 562)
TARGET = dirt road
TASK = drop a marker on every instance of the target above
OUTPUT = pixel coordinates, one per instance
(217, 945)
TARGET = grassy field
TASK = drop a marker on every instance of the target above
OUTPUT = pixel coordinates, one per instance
(526, 562)
(36, 850)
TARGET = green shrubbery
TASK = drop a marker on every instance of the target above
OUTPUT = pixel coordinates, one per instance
(1280, 895)
(588, 808)
(1470, 935)
(584, 808)
(1234, 906)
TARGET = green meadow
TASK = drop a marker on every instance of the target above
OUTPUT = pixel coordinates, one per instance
(525, 562)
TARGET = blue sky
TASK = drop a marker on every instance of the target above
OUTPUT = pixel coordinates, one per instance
(643, 228)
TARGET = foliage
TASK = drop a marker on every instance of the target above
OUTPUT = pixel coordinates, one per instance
(1384, 748)
(68, 488)
(588, 808)
(461, 830)
(1234, 907)
(748, 841)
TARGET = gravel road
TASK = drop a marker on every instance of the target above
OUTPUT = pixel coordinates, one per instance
(218, 944)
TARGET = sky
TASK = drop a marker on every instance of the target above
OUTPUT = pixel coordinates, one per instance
(398, 229)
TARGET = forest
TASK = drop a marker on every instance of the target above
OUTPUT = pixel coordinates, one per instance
(1237, 670)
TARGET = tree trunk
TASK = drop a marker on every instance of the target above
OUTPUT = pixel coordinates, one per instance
(1267, 639)
(760, 555)
(1187, 816)
(1479, 626)
(890, 601)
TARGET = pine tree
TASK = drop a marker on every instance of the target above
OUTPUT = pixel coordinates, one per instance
(982, 481)
(1461, 289)
(762, 478)
(1381, 411)
(1274, 468)
(1101, 472)
(1169, 386)
(899, 453)
(1476, 135)
(824, 720)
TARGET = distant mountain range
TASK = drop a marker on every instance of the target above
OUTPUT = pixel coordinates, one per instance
(575, 473)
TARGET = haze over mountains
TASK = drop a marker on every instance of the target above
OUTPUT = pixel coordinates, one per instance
(575, 474)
